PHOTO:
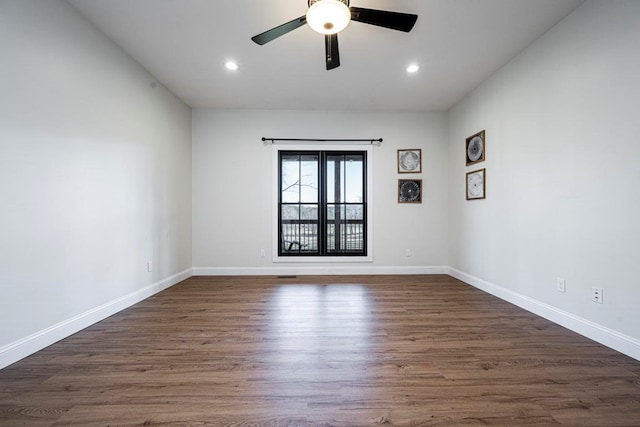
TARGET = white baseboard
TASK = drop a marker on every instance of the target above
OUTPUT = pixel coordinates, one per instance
(601, 334)
(319, 270)
(24, 347)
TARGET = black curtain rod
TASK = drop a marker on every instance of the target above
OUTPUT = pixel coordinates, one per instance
(273, 140)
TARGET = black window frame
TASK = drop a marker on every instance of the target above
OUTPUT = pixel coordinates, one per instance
(290, 248)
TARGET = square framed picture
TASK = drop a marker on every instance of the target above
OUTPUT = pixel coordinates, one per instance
(409, 191)
(475, 147)
(476, 184)
(410, 160)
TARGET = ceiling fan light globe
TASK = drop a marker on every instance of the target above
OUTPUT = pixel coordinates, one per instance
(328, 16)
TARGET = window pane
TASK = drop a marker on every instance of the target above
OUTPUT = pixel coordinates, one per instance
(345, 178)
(299, 234)
(290, 212)
(290, 177)
(353, 236)
(309, 178)
(309, 212)
(299, 178)
(335, 178)
(333, 163)
(345, 212)
(309, 236)
(290, 237)
(354, 188)
(355, 212)
(331, 179)
(345, 237)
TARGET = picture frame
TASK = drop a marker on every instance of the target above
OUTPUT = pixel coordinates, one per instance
(410, 160)
(475, 148)
(476, 184)
(409, 191)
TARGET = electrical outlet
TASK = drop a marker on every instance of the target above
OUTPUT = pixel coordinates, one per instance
(263, 253)
(561, 285)
(149, 266)
(596, 295)
(407, 252)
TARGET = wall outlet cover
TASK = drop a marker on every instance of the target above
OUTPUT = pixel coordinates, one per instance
(596, 295)
(561, 285)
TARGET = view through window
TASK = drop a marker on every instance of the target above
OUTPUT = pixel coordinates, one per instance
(322, 203)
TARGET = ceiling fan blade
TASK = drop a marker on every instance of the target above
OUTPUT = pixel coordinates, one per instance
(331, 51)
(280, 30)
(384, 18)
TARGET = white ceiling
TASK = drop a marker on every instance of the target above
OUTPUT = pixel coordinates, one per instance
(458, 44)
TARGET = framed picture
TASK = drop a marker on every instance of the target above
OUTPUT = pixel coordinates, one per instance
(409, 191)
(475, 147)
(410, 161)
(476, 184)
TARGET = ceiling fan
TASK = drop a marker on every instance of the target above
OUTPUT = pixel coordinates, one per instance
(329, 17)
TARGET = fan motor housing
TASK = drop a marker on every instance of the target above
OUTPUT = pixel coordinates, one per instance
(311, 2)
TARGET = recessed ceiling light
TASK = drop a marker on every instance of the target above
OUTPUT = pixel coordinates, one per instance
(231, 65)
(413, 68)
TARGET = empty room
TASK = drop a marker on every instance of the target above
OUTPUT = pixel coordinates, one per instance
(319, 212)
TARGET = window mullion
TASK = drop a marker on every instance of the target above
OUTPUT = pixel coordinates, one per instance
(322, 202)
(339, 195)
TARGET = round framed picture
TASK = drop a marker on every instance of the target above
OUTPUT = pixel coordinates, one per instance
(410, 161)
(409, 191)
(476, 185)
(475, 148)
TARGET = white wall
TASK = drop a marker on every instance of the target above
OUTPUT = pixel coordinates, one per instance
(232, 189)
(95, 177)
(561, 124)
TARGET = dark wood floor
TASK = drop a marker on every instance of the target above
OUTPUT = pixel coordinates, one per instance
(331, 351)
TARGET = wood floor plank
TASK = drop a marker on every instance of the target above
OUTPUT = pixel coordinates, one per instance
(323, 351)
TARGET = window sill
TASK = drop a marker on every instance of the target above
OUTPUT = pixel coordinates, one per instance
(322, 259)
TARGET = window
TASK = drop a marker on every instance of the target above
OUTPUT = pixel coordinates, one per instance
(322, 206)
